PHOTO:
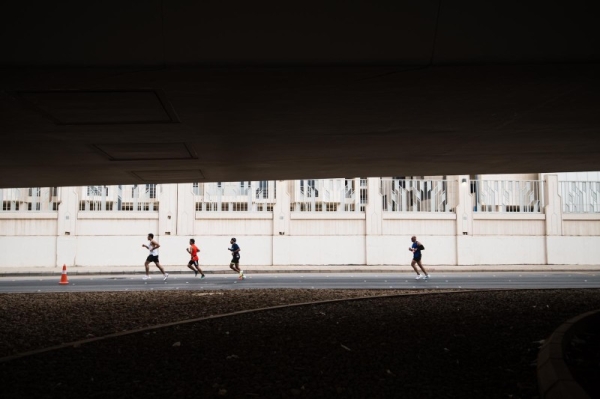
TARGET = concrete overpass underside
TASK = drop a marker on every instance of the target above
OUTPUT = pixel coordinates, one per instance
(153, 92)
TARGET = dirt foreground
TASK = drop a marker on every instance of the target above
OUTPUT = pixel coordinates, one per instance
(439, 345)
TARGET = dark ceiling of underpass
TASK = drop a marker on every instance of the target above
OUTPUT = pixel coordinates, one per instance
(131, 92)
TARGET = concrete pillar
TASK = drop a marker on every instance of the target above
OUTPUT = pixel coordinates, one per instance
(281, 223)
(66, 234)
(374, 245)
(67, 211)
(281, 209)
(553, 206)
(167, 211)
(464, 221)
(186, 210)
(553, 211)
(464, 207)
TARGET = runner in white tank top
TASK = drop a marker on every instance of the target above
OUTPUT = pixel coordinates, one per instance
(152, 247)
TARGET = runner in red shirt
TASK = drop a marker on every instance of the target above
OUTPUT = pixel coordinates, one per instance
(193, 263)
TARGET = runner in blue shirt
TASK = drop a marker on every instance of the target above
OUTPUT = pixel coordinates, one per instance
(235, 260)
(416, 250)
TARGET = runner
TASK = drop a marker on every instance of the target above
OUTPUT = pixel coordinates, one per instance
(193, 263)
(153, 246)
(416, 249)
(235, 260)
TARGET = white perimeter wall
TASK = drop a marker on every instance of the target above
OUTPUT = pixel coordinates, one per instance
(393, 250)
(281, 237)
(114, 251)
(319, 250)
(573, 250)
(27, 251)
(498, 250)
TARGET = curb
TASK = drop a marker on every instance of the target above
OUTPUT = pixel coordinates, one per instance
(267, 271)
(225, 270)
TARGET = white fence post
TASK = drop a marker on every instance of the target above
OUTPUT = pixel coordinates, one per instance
(553, 208)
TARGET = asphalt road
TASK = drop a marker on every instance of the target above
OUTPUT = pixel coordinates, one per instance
(454, 280)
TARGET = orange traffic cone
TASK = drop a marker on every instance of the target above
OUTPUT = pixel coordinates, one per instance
(63, 277)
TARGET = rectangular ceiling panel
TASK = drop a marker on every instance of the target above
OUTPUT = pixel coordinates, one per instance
(101, 107)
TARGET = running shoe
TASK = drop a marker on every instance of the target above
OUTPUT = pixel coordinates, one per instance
(146, 278)
(426, 277)
(418, 277)
(195, 273)
(203, 276)
(166, 277)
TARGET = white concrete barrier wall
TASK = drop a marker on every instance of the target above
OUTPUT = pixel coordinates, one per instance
(44, 224)
(28, 251)
(501, 250)
(112, 239)
(393, 250)
(116, 227)
(319, 250)
(115, 251)
(66, 251)
(254, 250)
(111, 251)
(573, 250)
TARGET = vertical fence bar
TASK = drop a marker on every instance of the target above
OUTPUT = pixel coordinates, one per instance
(136, 194)
(249, 193)
(342, 194)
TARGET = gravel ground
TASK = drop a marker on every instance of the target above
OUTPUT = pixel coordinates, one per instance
(443, 345)
(34, 321)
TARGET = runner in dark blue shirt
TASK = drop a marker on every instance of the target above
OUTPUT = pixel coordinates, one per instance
(416, 250)
(235, 260)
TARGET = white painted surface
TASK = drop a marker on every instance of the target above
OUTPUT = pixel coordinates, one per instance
(319, 227)
(573, 250)
(419, 227)
(66, 251)
(27, 251)
(116, 227)
(254, 250)
(327, 215)
(495, 250)
(508, 227)
(393, 250)
(28, 227)
(128, 251)
(112, 250)
(231, 227)
(319, 250)
(581, 228)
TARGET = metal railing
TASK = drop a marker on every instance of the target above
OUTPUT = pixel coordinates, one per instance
(35, 199)
(130, 197)
(580, 196)
(510, 196)
(328, 195)
(418, 195)
(248, 196)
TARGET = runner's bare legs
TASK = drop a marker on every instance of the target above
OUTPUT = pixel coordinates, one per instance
(418, 262)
